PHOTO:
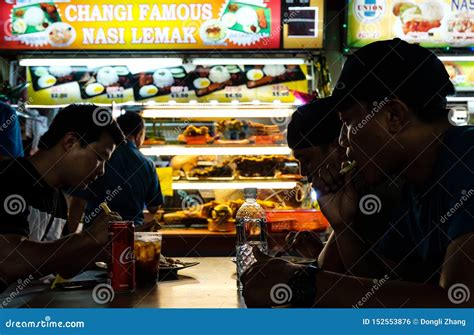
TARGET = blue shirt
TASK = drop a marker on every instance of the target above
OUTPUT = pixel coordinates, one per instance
(10, 133)
(129, 184)
(431, 218)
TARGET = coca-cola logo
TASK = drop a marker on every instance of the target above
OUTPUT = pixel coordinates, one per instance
(127, 256)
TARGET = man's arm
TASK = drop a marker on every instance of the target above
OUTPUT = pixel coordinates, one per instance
(329, 259)
(335, 290)
(356, 255)
(76, 211)
(67, 256)
(339, 202)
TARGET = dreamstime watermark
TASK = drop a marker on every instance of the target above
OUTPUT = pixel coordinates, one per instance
(191, 202)
(370, 204)
(8, 122)
(276, 32)
(14, 204)
(458, 116)
(11, 120)
(22, 284)
(378, 283)
(377, 107)
(102, 116)
(183, 125)
(297, 192)
(281, 294)
(459, 293)
(46, 323)
(282, 121)
(103, 294)
(110, 195)
(464, 198)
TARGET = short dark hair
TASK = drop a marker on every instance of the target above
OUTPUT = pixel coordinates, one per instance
(313, 125)
(131, 123)
(88, 121)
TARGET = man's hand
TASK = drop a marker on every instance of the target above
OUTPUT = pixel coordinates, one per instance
(100, 227)
(265, 283)
(337, 196)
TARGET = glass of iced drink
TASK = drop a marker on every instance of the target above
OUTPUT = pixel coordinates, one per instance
(147, 257)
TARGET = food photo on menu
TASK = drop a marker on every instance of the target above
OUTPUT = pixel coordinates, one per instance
(174, 166)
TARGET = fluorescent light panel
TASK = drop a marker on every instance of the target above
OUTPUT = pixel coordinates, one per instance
(456, 58)
(217, 113)
(172, 150)
(246, 61)
(460, 99)
(230, 185)
(96, 62)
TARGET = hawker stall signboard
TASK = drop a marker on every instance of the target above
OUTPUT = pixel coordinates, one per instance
(139, 25)
(56, 85)
(431, 23)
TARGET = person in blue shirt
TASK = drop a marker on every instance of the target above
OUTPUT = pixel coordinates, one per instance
(11, 145)
(392, 100)
(130, 182)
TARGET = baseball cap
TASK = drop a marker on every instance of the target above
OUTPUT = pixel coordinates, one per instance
(395, 69)
(314, 124)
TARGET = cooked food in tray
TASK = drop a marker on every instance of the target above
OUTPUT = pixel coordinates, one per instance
(265, 134)
(232, 131)
(221, 171)
(270, 166)
(195, 135)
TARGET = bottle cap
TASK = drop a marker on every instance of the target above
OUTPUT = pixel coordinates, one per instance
(250, 193)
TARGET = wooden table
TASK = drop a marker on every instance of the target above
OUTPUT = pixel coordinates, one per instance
(211, 284)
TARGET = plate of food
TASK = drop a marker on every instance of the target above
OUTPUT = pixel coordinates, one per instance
(213, 32)
(34, 18)
(169, 267)
(461, 29)
(418, 21)
(206, 80)
(43, 77)
(61, 34)
(159, 82)
(270, 74)
(247, 18)
(104, 79)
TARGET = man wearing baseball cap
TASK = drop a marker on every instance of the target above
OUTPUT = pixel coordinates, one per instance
(313, 135)
(392, 100)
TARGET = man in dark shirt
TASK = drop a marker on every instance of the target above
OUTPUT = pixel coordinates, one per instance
(313, 135)
(129, 184)
(33, 210)
(392, 100)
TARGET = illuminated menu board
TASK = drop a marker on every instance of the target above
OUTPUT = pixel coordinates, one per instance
(431, 23)
(140, 25)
